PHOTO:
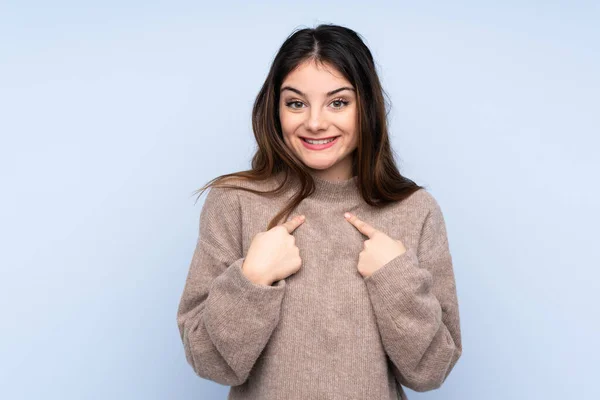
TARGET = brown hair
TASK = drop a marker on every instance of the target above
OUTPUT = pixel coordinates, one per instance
(378, 177)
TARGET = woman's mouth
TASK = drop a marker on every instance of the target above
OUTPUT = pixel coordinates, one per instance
(319, 144)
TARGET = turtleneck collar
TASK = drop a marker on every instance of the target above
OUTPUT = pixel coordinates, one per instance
(334, 191)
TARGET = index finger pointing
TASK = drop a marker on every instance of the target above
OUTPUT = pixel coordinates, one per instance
(293, 223)
(361, 225)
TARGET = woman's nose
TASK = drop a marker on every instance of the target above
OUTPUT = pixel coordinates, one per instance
(316, 121)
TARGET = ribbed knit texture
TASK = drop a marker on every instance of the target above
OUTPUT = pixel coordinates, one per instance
(324, 332)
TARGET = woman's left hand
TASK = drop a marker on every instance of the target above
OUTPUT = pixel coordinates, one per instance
(378, 249)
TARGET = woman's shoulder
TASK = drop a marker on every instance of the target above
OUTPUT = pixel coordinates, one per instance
(421, 199)
(234, 187)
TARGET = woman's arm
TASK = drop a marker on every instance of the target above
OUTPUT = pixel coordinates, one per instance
(415, 301)
(225, 320)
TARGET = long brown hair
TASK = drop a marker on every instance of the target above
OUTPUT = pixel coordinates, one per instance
(378, 177)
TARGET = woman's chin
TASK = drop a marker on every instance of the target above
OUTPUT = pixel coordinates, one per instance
(318, 166)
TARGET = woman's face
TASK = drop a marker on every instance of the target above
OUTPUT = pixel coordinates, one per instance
(317, 102)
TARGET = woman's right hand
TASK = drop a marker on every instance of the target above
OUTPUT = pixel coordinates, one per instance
(273, 254)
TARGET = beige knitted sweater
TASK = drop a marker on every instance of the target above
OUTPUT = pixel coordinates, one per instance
(324, 332)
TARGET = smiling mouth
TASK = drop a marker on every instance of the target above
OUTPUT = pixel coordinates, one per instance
(320, 146)
(327, 138)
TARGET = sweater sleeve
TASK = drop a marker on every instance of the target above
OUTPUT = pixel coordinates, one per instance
(415, 303)
(224, 319)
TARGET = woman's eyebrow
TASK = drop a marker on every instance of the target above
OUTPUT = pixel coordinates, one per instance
(328, 93)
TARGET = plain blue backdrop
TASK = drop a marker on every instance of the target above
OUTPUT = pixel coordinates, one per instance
(112, 113)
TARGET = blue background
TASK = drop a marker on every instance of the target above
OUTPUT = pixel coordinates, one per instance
(113, 113)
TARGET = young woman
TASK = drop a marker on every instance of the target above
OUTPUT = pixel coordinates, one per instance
(354, 296)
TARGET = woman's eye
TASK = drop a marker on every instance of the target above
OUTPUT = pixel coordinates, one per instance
(289, 104)
(340, 101)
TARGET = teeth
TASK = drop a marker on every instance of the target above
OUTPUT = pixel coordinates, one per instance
(319, 141)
